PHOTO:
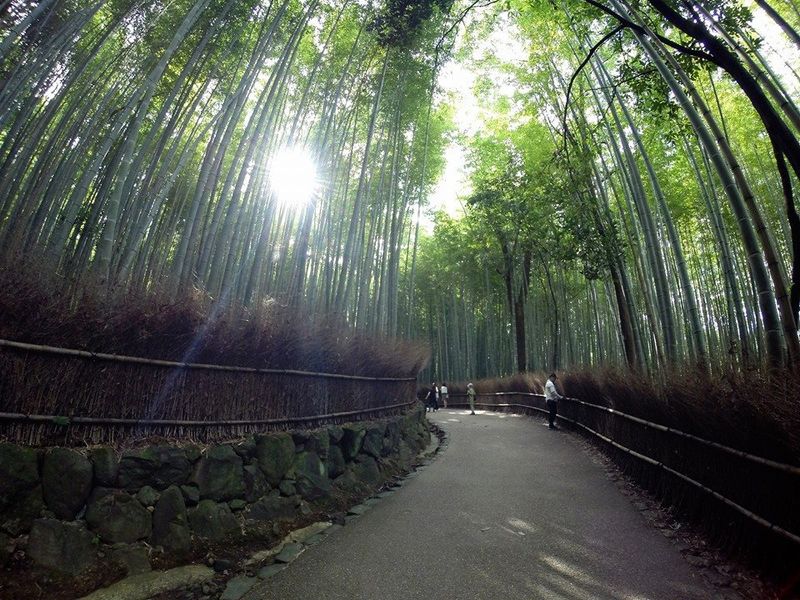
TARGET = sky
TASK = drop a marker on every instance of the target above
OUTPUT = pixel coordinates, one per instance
(456, 83)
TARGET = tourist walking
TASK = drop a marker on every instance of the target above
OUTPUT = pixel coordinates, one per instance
(471, 396)
(551, 397)
(432, 399)
(444, 394)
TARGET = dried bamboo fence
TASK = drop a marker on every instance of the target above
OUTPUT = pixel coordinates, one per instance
(61, 396)
(680, 465)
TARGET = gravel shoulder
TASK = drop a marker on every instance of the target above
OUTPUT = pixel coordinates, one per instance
(508, 509)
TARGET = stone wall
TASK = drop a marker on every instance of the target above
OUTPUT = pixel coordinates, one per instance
(64, 510)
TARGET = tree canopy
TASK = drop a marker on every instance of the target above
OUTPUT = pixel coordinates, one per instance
(631, 168)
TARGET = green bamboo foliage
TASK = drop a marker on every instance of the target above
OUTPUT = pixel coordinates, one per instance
(138, 143)
(632, 201)
(692, 262)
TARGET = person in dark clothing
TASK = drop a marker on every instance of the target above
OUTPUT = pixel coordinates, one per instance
(432, 398)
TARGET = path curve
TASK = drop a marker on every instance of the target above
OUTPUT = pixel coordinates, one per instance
(509, 509)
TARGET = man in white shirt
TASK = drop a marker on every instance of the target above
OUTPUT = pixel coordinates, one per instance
(444, 394)
(551, 397)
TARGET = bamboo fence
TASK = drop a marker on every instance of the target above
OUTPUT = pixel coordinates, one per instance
(758, 489)
(52, 395)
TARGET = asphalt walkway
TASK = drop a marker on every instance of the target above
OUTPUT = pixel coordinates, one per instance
(508, 510)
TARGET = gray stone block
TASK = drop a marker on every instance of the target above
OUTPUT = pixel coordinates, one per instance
(64, 547)
(170, 523)
(311, 475)
(255, 483)
(212, 521)
(66, 482)
(238, 587)
(275, 453)
(272, 508)
(353, 439)
(147, 496)
(106, 466)
(336, 462)
(134, 558)
(157, 466)
(19, 473)
(218, 474)
(117, 516)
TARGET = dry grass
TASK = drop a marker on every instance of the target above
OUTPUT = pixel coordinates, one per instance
(196, 329)
(33, 309)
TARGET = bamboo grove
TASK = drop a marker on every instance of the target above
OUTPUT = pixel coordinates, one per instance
(137, 141)
(632, 197)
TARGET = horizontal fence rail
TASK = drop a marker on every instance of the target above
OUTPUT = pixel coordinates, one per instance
(52, 395)
(788, 476)
(58, 419)
(740, 453)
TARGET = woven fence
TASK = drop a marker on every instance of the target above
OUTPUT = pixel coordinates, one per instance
(732, 488)
(61, 396)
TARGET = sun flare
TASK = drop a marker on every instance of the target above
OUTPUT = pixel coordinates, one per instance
(293, 177)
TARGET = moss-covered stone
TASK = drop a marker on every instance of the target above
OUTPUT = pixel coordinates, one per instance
(245, 448)
(288, 487)
(191, 495)
(272, 508)
(275, 454)
(64, 547)
(311, 476)
(237, 505)
(106, 466)
(366, 470)
(212, 521)
(218, 474)
(353, 439)
(18, 518)
(157, 466)
(117, 516)
(147, 496)
(255, 483)
(393, 436)
(336, 462)
(373, 440)
(133, 558)
(192, 452)
(335, 434)
(66, 482)
(19, 473)
(170, 522)
(319, 442)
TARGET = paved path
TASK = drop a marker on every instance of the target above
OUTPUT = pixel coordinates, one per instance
(509, 510)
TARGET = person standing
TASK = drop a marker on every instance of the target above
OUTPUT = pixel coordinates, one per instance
(444, 394)
(551, 397)
(471, 396)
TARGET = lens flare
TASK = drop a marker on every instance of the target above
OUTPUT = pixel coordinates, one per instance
(293, 177)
